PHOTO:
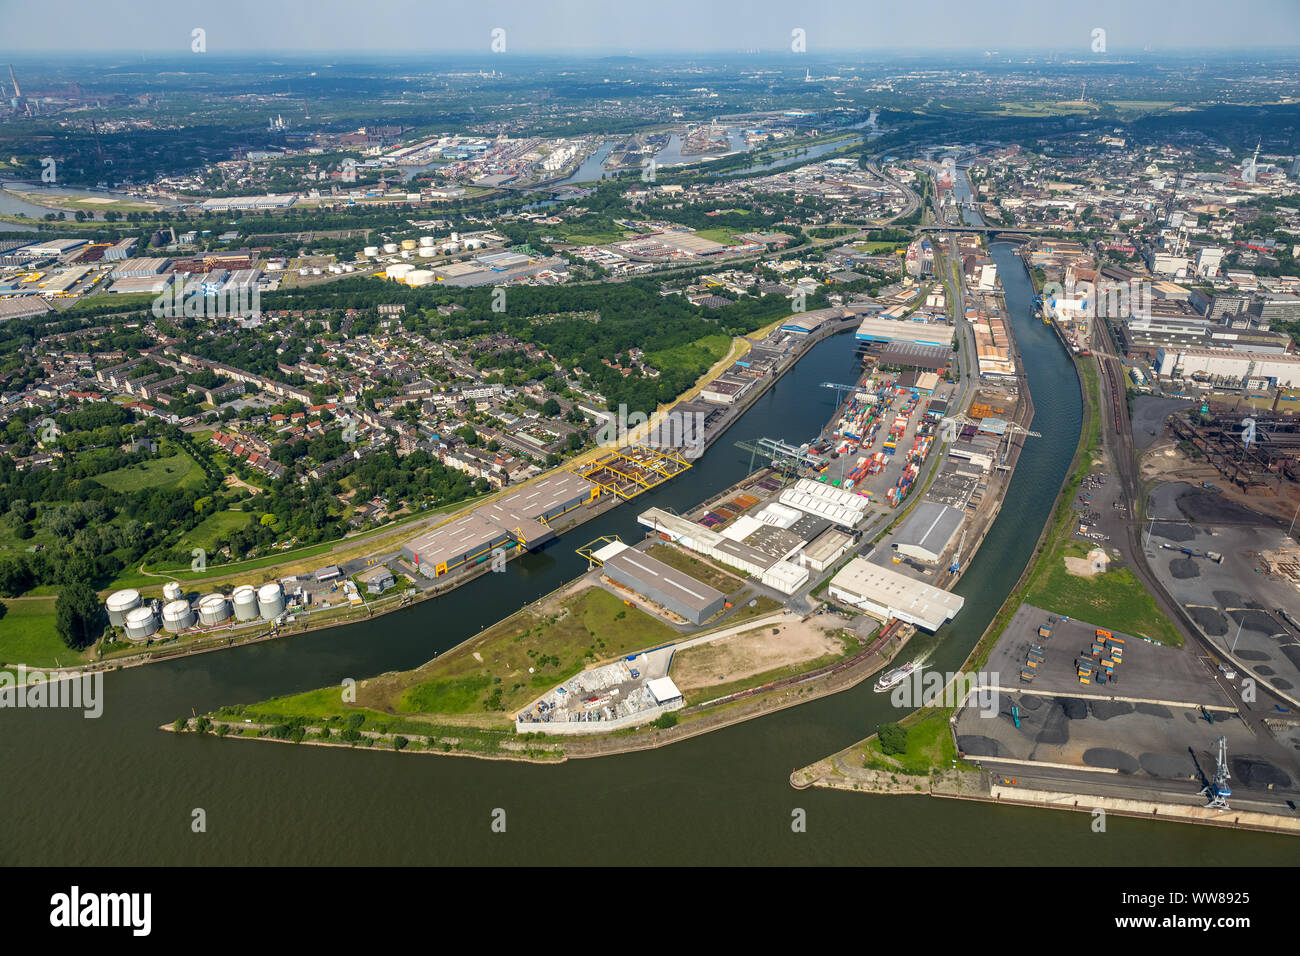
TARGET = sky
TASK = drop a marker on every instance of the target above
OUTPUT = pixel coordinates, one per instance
(642, 27)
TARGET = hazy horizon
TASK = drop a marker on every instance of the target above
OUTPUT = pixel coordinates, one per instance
(668, 27)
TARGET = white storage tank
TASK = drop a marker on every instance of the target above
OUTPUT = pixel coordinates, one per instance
(349, 268)
(452, 247)
(316, 271)
(245, 602)
(428, 252)
(370, 251)
(177, 616)
(421, 277)
(119, 604)
(398, 270)
(172, 591)
(270, 601)
(455, 237)
(426, 242)
(213, 609)
(390, 247)
(140, 623)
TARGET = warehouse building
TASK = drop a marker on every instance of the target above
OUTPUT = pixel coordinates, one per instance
(928, 532)
(884, 593)
(908, 332)
(144, 266)
(467, 540)
(844, 508)
(1230, 364)
(520, 519)
(674, 590)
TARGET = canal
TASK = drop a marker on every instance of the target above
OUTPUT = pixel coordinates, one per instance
(118, 791)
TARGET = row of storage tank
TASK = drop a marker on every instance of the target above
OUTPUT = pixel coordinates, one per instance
(426, 246)
(141, 619)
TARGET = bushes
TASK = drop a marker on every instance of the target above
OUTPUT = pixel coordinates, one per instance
(893, 739)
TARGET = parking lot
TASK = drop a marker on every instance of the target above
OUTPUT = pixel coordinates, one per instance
(1149, 672)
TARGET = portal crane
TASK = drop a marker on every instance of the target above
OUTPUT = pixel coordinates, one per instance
(1217, 790)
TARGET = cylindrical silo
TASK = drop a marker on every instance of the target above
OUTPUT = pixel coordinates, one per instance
(172, 591)
(270, 601)
(245, 602)
(398, 270)
(177, 616)
(426, 241)
(213, 609)
(390, 247)
(140, 623)
(428, 252)
(370, 251)
(408, 243)
(119, 603)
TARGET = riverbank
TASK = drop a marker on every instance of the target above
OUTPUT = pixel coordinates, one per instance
(259, 573)
(388, 717)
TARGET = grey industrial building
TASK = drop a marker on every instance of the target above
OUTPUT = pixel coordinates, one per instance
(520, 519)
(928, 531)
(664, 585)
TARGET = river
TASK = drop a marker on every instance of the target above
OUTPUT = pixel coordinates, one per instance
(118, 791)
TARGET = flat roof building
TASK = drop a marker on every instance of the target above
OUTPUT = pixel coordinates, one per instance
(520, 518)
(885, 593)
(928, 531)
(880, 329)
(664, 585)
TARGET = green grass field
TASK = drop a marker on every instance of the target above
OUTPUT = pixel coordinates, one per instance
(929, 744)
(488, 675)
(719, 234)
(590, 238)
(703, 352)
(212, 528)
(28, 636)
(1114, 599)
(176, 471)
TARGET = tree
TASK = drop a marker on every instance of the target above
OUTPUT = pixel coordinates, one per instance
(78, 615)
(893, 738)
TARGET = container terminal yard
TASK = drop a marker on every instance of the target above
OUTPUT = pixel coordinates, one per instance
(872, 521)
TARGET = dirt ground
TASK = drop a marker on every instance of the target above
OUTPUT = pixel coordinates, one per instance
(1095, 563)
(1164, 461)
(755, 651)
